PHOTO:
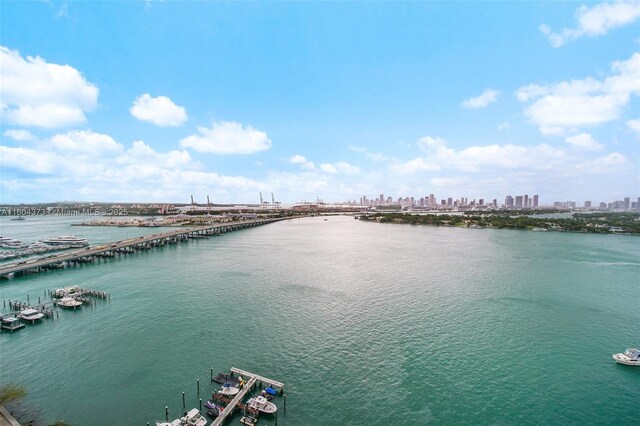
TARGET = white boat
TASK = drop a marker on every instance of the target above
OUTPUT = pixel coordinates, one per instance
(194, 418)
(10, 243)
(68, 302)
(176, 422)
(66, 240)
(31, 315)
(261, 404)
(66, 291)
(228, 390)
(629, 357)
(11, 323)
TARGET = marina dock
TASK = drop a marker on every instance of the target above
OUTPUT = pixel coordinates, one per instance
(236, 402)
(132, 245)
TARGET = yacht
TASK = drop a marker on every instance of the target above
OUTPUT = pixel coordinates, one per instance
(10, 243)
(66, 240)
(176, 422)
(629, 357)
(66, 291)
(31, 315)
(68, 302)
(194, 418)
(261, 404)
(18, 218)
(228, 390)
(11, 323)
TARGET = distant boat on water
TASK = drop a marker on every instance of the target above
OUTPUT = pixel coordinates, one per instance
(18, 218)
(66, 240)
(629, 357)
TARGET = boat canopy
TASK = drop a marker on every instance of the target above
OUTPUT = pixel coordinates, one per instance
(632, 353)
(270, 391)
(29, 312)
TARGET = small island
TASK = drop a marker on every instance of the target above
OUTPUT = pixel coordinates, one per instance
(598, 222)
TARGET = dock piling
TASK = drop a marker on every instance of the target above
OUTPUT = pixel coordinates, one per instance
(184, 405)
(198, 386)
(166, 413)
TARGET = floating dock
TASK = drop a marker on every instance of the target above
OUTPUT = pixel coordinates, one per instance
(236, 402)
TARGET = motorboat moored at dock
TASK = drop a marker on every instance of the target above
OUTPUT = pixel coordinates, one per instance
(70, 241)
(68, 303)
(261, 404)
(32, 315)
(194, 418)
(213, 409)
(176, 422)
(67, 291)
(11, 323)
(631, 356)
(10, 243)
(228, 390)
(223, 378)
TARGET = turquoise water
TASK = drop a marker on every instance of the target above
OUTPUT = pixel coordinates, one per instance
(365, 323)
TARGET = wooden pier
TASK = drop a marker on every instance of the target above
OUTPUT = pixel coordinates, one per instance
(132, 245)
(236, 402)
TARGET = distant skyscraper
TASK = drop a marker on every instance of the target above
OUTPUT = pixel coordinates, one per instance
(535, 201)
(627, 203)
(587, 204)
(519, 201)
(526, 201)
(508, 202)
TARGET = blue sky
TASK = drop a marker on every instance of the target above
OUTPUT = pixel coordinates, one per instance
(155, 101)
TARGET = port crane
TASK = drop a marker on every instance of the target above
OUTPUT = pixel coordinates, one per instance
(263, 204)
(276, 204)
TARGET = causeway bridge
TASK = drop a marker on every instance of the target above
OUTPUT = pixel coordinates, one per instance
(131, 245)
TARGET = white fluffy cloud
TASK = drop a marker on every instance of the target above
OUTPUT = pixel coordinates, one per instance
(487, 97)
(302, 161)
(160, 111)
(227, 137)
(475, 158)
(414, 166)
(595, 21)
(375, 156)
(29, 160)
(576, 103)
(584, 141)
(37, 93)
(634, 125)
(339, 167)
(85, 141)
(20, 135)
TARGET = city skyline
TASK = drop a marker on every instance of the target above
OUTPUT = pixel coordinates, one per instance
(319, 100)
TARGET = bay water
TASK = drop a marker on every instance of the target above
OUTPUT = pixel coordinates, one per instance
(365, 323)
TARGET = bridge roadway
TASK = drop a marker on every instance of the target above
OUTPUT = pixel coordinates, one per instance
(182, 233)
